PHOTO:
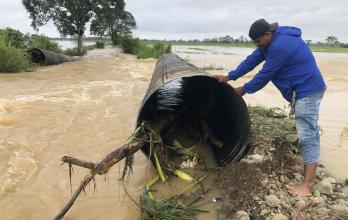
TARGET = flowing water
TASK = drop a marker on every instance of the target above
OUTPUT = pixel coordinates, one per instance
(88, 108)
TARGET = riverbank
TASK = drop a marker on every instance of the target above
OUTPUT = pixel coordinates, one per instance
(255, 187)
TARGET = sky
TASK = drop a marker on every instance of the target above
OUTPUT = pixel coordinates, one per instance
(199, 19)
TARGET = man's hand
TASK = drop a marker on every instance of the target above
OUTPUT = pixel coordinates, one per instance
(221, 78)
(240, 91)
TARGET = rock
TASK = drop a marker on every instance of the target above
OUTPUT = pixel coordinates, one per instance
(279, 216)
(272, 200)
(338, 188)
(298, 160)
(264, 183)
(341, 202)
(340, 195)
(284, 204)
(292, 138)
(256, 198)
(340, 208)
(287, 180)
(324, 187)
(300, 203)
(264, 212)
(282, 179)
(298, 177)
(278, 184)
(254, 158)
(330, 180)
(316, 193)
(346, 182)
(240, 215)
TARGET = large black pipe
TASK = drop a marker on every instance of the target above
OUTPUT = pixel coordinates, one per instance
(196, 93)
(46, 57)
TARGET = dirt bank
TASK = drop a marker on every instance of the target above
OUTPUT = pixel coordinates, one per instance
(255, 187)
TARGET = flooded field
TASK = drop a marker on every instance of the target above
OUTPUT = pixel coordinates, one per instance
(89, 107)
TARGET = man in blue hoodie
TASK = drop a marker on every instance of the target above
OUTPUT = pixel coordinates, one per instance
(291, 67)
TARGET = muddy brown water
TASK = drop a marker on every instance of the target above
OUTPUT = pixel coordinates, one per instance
(88, 108)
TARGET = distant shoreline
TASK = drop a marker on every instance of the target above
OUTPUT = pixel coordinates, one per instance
(314, 47)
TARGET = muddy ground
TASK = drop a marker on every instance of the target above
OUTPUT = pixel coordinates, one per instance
(255, 187)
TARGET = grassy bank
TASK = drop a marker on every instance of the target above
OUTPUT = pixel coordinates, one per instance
(143, 49)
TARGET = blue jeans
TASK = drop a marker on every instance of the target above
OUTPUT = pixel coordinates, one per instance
(306, 116)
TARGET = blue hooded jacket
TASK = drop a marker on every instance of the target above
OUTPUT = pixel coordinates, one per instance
(289, 64)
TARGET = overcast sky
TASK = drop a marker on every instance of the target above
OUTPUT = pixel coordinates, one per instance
(198, 19)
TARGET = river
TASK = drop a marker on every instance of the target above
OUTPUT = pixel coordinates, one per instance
(88, 108)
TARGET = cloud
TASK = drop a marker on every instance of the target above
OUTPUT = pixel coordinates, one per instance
(174, 19)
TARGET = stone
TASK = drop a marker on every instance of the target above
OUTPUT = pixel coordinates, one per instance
(264, 212)
(284, 204)
(330, 180)
(278, 184)
(292, 138)
(272, 200)
(287, 180)
(298, 160)
(240, 215)
(341, 202)
(340, 195)
(264, 183)
(324, 187)
(279, 216)
(316, 193)
(282, 179)
(300, 203)
(340, 208)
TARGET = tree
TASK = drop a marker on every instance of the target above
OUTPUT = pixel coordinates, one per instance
(331, 40)
(69, 16)
(113, 21)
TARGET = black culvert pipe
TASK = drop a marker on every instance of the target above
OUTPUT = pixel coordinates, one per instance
(45, 57)
(196, 93)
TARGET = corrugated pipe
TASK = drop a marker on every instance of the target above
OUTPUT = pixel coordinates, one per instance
(177, 86)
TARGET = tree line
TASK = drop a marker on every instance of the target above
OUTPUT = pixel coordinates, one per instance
(107, 17)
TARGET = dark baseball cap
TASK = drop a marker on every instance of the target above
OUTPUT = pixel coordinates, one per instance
(260, 27)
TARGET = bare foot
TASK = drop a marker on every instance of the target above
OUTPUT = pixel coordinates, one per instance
(299, 190)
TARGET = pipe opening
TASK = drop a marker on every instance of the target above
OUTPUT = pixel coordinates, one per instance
(201, 97)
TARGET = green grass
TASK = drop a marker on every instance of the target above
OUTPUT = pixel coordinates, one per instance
(12, 59)
(43, 42)
(314, 48)
(100, 44)
(74, 52)
(143, 49)
(329, 49)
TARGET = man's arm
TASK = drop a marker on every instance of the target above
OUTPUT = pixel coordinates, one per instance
(246, 66)
(274, 63)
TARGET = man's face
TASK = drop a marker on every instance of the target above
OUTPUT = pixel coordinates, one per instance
(264, 41)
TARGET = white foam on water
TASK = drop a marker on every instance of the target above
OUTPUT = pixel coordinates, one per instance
(22, 167)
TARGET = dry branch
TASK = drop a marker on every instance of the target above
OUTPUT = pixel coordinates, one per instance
(112, 158)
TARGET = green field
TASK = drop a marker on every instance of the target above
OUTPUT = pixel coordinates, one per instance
(314, 48)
